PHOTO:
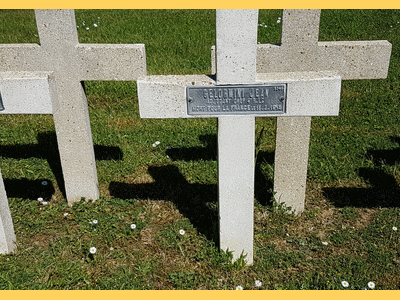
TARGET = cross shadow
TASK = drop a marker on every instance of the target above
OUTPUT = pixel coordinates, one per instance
(197, 202)
(47, 148)
(388, 157)
(262, 185)
(29, 189)
(384, 192)
(194, 201)
(208, 152)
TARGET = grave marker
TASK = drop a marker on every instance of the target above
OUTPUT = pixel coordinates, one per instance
(300, 50)
(68, 62)
(306, 93)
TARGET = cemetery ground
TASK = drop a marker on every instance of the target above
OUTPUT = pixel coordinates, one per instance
(161, 175)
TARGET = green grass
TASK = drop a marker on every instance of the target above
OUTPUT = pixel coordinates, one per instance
(352, 199)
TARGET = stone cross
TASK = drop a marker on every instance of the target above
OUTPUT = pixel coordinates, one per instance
(68, 62)
(303, 94)
(300, 51)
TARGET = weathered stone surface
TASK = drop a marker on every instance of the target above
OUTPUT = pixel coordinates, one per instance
(236, 40)
(25, 92)
(291, 155)
(7, 235)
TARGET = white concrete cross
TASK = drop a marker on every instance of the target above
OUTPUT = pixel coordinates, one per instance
(300, 51)
(66, 62)
(307, 93)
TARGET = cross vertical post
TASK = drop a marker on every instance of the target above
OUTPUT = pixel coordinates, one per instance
(236, 64)
(293, 133)
(58, 38)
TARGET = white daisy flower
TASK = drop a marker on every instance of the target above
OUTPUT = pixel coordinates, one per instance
(371, 285)
(95, 25)
(87, 28)
(65, 214)
(345, 284)
(239, 288)
(40, 199)
(133, 226)
(325, 243)
(182, 232)
(44, 202)
(157, 143)
(111, 248)
(94, 222)
(394, 228)
(258, 283)
(93, 250)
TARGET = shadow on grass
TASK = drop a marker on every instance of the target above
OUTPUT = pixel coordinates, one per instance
(47, 148)
(29, 189)
(208, 152)
(262, 185)
(197, 202)
(388, 157)
(384, 192)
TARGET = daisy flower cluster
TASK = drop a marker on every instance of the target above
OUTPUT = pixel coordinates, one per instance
(370, 284)
(87, 26)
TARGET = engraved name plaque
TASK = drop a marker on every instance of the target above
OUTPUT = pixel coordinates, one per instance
(236, 99)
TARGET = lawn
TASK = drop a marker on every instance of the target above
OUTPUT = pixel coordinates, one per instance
(346, 233)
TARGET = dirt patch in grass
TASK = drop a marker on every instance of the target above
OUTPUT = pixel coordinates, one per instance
(121, 122)
(140, 176)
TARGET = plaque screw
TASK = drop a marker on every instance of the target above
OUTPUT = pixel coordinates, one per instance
(282, 98)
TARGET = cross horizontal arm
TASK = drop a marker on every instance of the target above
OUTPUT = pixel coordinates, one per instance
(21, 57)
(351, 60)
(308, 94)
(111, 61)
(26, 92)
(94, 61)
